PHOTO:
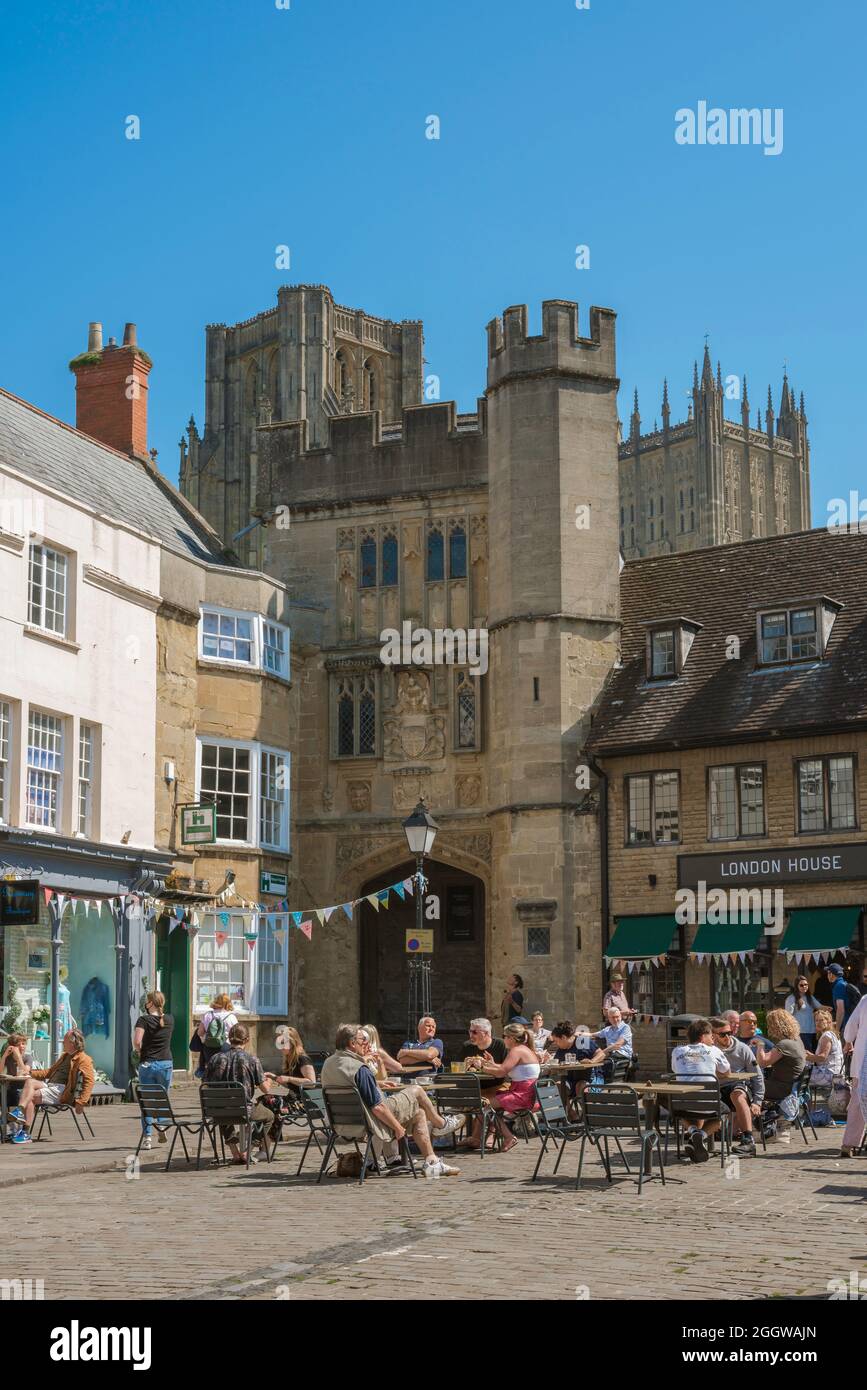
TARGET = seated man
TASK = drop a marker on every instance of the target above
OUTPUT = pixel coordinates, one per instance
(699, 1060)
(483, 1047)
(743, 1098)
(426, 1051)
(750, 1032)
(390, 1116)
(615, 1040)
(68, 1081)
(240, 1065)
(567, 1041)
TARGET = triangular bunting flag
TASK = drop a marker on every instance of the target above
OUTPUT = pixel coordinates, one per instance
(221, 937)
(307, 928)
(48, 895)
(399, 890)
(374, 900)
(408, 884)
(383, 896)
(296, 918)
(327, 911)
(250, 940)
(320, 913)
(280, 935)
(224, 918)
(347, 908)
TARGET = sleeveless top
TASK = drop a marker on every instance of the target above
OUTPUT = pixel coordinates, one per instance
(525, 1071)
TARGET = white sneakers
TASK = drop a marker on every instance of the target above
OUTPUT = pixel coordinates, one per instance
(452, 1122)
(436, 1168)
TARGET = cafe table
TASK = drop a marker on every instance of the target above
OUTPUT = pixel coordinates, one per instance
(647, 1091)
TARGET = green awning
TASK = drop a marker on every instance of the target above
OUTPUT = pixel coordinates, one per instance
(814, 931)
(641, 938)
(740, 933)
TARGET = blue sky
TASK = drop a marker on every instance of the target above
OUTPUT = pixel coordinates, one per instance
(306, 126)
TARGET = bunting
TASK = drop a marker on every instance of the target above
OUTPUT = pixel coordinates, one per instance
(307, 928)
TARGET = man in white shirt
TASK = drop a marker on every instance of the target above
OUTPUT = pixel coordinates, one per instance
(699, 1060)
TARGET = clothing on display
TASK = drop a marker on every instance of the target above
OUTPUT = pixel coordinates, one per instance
(95, 1008)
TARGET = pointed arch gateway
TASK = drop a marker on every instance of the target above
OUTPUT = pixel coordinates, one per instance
(457, 963)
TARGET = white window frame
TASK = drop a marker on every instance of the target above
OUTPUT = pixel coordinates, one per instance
(59, 789)
(259, 625)
(789, 609)
(250, 976)
(264, 752)
(85, 784)
(254, 810)
(36, 615)
(6, 748)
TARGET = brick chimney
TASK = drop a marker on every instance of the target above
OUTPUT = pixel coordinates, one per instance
(111, 392)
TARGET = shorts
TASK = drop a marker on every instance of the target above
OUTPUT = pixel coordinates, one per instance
(51, 1093)
(729, 1091)
(403, 1106)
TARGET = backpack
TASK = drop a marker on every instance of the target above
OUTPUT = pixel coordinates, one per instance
(215, 1034)
(853, 994)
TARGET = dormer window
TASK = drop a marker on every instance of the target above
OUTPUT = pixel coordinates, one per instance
(796, 633)
(662, 658)
(668, 645)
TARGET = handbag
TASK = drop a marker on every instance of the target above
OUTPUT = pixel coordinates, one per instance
(195, 1042)
(841, 1094)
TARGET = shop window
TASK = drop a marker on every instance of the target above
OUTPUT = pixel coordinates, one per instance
(826, 794)
(271, 973)
(743, 985)
(659, 989)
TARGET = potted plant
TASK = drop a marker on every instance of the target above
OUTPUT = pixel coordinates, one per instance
(11, 1020)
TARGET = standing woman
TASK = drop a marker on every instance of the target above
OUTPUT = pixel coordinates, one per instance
(522, 1068)
(802, 1005)
(152, 1040)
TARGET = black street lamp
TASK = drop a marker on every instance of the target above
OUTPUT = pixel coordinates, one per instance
(420, 829)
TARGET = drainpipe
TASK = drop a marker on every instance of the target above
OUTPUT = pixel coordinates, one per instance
(603, 861)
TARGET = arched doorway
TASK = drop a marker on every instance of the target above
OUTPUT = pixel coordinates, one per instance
(457, 964)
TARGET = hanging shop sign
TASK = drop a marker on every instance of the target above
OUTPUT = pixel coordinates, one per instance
(273, 883)
(19, 903)
(198, 824)
(803, 864)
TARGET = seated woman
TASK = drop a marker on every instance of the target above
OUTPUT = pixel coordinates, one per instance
(522, 1068)
(297, 1072)
(785, 1061)
(381, 1063)
(13, 1064)
(828, 1057)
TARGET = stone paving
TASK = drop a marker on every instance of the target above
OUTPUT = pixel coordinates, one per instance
(782, 1226)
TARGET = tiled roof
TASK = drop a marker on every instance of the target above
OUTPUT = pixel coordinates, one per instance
(715, 699)
(114, 484)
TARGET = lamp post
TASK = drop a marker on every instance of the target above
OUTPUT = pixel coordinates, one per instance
(420, 830)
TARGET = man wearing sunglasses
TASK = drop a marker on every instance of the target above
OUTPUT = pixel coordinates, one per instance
(744, 1098)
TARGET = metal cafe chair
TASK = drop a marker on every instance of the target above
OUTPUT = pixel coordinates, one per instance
(613, 1112)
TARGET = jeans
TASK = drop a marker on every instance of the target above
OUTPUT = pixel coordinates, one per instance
(154, 1074)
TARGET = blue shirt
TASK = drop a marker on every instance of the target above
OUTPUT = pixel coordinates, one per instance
(415, 1045)
(367, 1087)
(841, 990)
(621, 1033)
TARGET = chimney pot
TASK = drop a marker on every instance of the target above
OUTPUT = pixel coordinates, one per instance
(129, 336)
(112, 342)
(94, 337)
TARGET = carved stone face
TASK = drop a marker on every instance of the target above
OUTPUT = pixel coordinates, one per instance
(359, 796)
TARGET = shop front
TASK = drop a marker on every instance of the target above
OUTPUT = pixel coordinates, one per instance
(73, 944)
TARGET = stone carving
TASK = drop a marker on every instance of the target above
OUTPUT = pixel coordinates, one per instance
(477, 845)
(359, 796)
(407, 790)
(327, 798)
(346, 592)
(410, 731)
(478, 538)
(413, 692)
(468, 789)
(353, 847)
(346, 538)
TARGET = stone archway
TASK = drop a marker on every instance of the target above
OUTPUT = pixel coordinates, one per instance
(457, 964)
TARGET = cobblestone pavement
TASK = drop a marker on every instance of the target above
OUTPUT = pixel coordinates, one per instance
(275, 1236)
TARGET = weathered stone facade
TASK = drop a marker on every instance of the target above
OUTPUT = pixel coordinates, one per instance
(454, 521)
(708, 480)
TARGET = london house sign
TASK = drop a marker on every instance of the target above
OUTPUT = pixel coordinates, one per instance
(801, 864)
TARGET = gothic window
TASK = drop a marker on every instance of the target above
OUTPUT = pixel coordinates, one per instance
(661, 505)
(274, 393)
(652, 531)
(435, 552)
(389, 559)
(457, 550)
(355, 717)
(466, 710)
(369, 386)
(367, 569)
(651, 506)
